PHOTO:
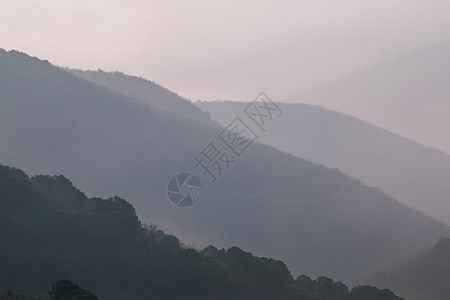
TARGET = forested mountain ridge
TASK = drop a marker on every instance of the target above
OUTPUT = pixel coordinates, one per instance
(51, 230)
(318, 220)
(412, 173)
(148, 92)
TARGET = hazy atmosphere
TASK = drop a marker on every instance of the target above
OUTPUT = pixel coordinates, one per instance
(224, 150)
(213, 50)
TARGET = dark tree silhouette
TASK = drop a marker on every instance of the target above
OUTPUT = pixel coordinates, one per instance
(67, 290)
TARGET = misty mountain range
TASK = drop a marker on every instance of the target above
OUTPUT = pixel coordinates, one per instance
(318, 220)
(421, 276)
(408, 95)
(410, 172)
(148, 92)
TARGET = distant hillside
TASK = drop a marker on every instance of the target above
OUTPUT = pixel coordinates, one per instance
(147, 92)
(51, 230)
(422, 276)
(414, 174)
(408, 94)
(318, 220)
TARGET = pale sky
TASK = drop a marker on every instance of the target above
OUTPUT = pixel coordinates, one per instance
(223, 49)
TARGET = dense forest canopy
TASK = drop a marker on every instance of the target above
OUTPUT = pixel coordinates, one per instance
(50, 230)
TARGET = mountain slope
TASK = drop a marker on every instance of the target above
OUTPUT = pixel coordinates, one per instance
(319, 221)
(147, 92)
(414, 174)
(422, 276)
(407, 95)
(51, 230)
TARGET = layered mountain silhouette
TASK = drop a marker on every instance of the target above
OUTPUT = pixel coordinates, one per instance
(318, 220)
(422, 276)
(51, 230)
(148, 92)
(412, 173)
(407, 95)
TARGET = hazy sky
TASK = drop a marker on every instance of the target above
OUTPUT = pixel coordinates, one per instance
(223, 49)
